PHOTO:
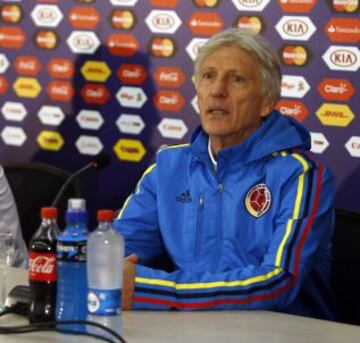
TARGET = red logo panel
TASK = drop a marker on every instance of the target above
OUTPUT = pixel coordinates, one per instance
(42, 266)
(336, 89)
(27, 65)
(171, 101)
(84, 17)
(169, 77)
(3, 85)
(122, 44)
(297, 6)
(205, 23)
(345, 30)
(60, 90)
(132, 74)
(96, 94)
(293, 108)
(61, 68)
(11, 37)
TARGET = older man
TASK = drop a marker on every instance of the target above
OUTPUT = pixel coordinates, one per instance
(242, 210)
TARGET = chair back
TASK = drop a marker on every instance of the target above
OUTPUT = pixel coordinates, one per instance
(346, 276)
(35, 185)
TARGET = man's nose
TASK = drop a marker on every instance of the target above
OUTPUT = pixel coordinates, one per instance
(219, 88)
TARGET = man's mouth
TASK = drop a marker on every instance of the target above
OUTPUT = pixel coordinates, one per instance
(217, 111)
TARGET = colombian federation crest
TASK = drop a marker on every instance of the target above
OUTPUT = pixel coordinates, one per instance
(258, 200)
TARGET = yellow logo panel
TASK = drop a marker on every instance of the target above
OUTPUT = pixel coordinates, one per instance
(335, 114)
(95, 71)
(27, 87)
(50, 140)
(129, 150)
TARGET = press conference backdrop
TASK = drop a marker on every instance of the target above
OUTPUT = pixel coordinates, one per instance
(78, 77)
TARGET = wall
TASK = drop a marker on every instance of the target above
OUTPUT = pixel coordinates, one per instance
(79, 77)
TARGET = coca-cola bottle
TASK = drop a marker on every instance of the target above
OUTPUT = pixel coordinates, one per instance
(42, 268)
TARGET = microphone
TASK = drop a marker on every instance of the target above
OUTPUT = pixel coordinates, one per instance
(98, 162)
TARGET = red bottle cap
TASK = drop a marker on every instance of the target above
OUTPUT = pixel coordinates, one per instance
(105, 215)
(49, 212)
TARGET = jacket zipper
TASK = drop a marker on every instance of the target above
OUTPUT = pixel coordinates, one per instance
(220, 188)
(198, 226)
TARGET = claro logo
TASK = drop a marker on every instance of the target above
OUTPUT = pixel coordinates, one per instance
(166, 100)
(132, 74)
(336, 89)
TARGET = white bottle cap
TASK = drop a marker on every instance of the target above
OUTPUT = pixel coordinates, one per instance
(76, 204)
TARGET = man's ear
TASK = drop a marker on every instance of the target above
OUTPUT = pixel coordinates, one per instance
(267, 105)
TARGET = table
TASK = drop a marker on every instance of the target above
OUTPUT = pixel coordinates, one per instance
(207, 326)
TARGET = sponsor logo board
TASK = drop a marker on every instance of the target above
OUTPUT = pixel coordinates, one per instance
(162, 47)
(11, 37)
(205, 23)
(133, 74)
(130, 123)
(89, 145)
(46, 15)
(11, 13)
(169, 100)
(27, 65)
(14, 111)
(13, 136)
(95, 71)
(83, 42)
(27, 87)
(50, 140)
(336, 89)
(89, 119)
(122, 19)
(294, 6)
(319, 143)
(120, 44)
(51, 115)
(129, 150)
(123, 2)
(345, 58)
(294, 55)
(335, 114)
(297, 28)
(344, 6)
(193, 46)
(60, 90)
(343, 30)
(164, 3)
(172, 77)
(160, 21)
(255, 24)
(93, 93)
(86, 18)
(206, 3)
(46, 39)
(172, 128)
(293, 108)
(250, 5)
(294, 86)
(61, 68)
(4, 85)
(353, 146)
(133, 97)
(4, 63)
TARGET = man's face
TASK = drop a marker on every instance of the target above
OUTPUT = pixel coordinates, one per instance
(229, 95)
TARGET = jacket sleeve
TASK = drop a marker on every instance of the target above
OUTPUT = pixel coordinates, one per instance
(9, 222)
(303, 229)
(137, 221)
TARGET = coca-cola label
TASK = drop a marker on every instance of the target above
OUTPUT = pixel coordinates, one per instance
(42, 266)
(69, 251)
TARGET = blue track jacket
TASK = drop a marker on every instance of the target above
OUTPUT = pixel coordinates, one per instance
(254, 234)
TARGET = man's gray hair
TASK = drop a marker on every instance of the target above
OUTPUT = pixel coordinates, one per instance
(253, 44)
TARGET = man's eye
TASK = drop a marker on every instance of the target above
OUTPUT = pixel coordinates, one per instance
(238, 78)
(207, 76)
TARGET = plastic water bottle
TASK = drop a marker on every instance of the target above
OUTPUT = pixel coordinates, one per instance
(71, 303)
(105, 249)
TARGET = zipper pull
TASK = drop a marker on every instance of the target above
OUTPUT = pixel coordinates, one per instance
(201, 200)
(220, 187)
